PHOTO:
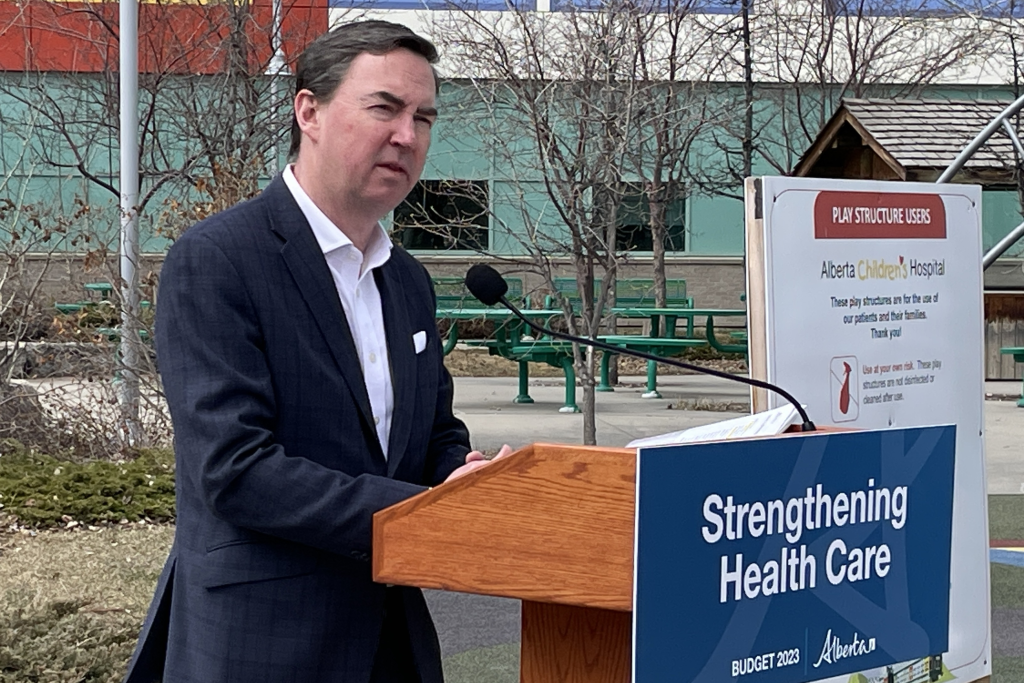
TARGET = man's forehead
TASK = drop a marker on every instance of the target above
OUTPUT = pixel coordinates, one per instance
(426, 105)
(391, 71)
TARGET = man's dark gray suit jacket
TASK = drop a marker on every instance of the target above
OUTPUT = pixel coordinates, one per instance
(279, 469)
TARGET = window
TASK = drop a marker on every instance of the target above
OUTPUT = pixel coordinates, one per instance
(440, 215)
(878, 8)
(633, 220)
(667, 6)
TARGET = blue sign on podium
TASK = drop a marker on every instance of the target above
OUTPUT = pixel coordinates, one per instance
(792, 559)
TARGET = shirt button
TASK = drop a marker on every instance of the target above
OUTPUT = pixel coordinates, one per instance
(376, 420)
(373, 358)
(358, 294)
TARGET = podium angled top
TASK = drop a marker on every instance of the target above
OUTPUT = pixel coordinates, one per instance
(548, 523)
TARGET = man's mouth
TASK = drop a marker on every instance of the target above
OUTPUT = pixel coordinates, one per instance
(395, 168)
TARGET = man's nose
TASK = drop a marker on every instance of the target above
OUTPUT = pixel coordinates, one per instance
(404, 134)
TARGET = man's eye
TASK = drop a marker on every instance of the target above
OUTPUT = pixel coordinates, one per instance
(426, 120)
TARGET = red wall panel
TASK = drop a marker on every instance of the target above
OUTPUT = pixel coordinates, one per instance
(174, 37)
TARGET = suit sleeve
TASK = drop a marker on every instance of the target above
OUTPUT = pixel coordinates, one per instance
(219, 390)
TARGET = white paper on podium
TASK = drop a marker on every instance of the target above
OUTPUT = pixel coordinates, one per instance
(769, 423)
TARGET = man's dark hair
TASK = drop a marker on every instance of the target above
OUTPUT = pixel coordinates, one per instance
(323, 64)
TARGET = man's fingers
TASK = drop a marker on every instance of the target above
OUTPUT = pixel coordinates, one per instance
(475, 460)
(467, 468)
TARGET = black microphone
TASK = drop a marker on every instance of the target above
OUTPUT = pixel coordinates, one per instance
(487, 285)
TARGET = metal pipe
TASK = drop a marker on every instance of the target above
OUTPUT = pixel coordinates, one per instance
(1013, 138)
(968, 151)
(995, 252)
(130, 357)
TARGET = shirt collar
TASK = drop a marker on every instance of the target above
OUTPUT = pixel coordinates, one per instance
(328, 235)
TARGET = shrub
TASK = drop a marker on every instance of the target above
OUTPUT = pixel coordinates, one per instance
(62, 641)
(39, 490)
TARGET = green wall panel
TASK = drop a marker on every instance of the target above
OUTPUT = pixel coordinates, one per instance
(524, 219)
(471, 141)
(456, 152)
(1000, 213)
(715, 226)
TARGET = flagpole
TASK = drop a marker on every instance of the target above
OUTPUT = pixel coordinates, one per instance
(129, 351)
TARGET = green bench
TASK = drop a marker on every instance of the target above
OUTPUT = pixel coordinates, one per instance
(554, 352)
(567, 289)
(558, 353)
(1018, 357)
(452, 295)
(629, 293)
(739, 339)
(79, 306)
(634, 293)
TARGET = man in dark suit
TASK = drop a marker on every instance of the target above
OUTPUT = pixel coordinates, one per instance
(304, 375)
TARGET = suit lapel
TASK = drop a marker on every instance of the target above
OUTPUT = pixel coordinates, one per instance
(401, 358)
(305, 261)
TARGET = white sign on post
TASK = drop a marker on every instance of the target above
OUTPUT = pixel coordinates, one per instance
(866, 304)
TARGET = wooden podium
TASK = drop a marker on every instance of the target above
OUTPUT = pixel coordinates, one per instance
(550, 525)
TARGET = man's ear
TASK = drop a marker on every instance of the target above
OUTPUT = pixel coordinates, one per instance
(307, 114)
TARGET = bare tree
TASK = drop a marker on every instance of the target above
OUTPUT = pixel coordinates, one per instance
(798, 60)
(212, 119)
(580, 108)
(34, 240)
(208, 126)
(675, 106)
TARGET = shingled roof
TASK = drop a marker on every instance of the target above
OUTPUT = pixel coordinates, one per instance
(911, 140)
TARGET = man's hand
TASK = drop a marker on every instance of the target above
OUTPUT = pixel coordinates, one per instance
(475, 460)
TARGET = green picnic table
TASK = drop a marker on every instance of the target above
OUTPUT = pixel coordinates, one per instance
(104, 289)
(668, 318)
(658, 346)
(1018, 357)
(657, 341)
(512, 341)
(515, 341)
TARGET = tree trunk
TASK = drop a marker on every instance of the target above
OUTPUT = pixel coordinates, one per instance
(658, 239)
(748, 93)
(589, 403)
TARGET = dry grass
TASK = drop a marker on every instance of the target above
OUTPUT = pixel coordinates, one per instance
(711, 405)
(72, 603)
(476, 363)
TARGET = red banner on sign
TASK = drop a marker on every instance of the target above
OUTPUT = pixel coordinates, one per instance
(879, 215)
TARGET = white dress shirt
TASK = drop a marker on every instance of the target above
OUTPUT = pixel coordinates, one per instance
(353, 277)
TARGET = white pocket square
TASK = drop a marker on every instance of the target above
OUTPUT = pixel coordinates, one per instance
(419, 341)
